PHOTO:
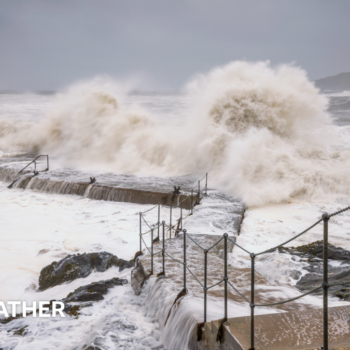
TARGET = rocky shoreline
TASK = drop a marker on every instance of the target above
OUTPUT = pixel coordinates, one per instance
(312, 257)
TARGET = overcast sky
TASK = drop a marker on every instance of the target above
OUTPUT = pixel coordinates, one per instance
(48, 44)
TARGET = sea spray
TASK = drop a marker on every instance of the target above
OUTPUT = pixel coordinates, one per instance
(262, 133)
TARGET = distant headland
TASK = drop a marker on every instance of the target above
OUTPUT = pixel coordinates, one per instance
(335, 83)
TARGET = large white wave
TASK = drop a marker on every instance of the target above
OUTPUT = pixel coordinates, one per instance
(263, 134)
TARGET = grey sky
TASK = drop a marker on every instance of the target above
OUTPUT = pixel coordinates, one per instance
(47, 44)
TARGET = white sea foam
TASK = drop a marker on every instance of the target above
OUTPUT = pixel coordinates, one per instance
(263, 134)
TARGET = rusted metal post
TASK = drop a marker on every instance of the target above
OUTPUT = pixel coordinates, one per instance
(192, 201)
(152, 251)
(184, 262)
(163, 252)
(181, 214)
(225, 277)
(205, 284)
(140, 232)
(158, 218)
(252, 305)
(206, 184)
(171, 215)
(325, 286)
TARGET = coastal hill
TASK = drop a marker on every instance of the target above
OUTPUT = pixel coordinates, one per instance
(335, 83)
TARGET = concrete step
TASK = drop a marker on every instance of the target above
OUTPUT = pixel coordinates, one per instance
(302, 330)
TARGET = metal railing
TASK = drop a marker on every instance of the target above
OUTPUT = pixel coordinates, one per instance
(35, 162)
(193, 200)
(325, 285)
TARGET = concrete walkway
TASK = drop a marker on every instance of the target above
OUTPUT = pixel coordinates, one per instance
(302, 330)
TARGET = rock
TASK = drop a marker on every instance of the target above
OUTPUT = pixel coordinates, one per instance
(315, 250)
(21, 331)
(9, 319)
(313, 255)
(343, 294)
(79, 266)
(138, 277)
(94, 291)
(73, 310)
(313, 280)
(91, 347)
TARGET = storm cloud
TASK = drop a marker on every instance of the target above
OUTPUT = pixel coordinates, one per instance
(47, 44)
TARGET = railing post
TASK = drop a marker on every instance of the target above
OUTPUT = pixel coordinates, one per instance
(47, 163)
(252, 305)
(140, 233)
(325, 218)
(205, 284)
(185, 264)
(152, 251)
(192, 201)
(171, 215)
(158, 218)
(163, 253)
(181, 214)
(225, 272)
(206, 184)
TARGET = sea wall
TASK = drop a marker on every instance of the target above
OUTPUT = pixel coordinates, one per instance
(93, 191)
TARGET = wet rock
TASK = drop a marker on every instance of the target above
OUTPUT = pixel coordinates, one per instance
(9, 319)
(73, 310)
(313, 280)
(315, 250)
(94, 291)
(343, 294)
(295, 275)
(91, 347)
(138, 277)
(312, 254)
(21, 331)
(79, 266)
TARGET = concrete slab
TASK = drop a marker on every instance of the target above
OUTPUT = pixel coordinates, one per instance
(292, 330)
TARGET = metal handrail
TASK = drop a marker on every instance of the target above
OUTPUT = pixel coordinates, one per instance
(34, 161)
(325, 285)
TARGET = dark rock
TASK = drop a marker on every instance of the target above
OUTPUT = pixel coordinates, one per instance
(9, 319)
(79, 266)
(94, 291)
(21, 331)
(92, 180)
(138, 277)
(313, 280)
(91, 347)
(313, 254)
(295, 275)
(73, 310)
(315, 250)
(343, 294)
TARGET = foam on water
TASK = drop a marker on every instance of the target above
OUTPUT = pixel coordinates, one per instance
(39, 229)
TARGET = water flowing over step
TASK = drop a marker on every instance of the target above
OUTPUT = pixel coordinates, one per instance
(302, 330)
(93, 191)
(180, 318)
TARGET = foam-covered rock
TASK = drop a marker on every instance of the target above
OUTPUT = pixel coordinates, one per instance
(79, 266)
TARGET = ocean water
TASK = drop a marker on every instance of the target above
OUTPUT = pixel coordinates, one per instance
(266, 137)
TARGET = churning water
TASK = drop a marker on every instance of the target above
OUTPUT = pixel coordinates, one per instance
(265, 136)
